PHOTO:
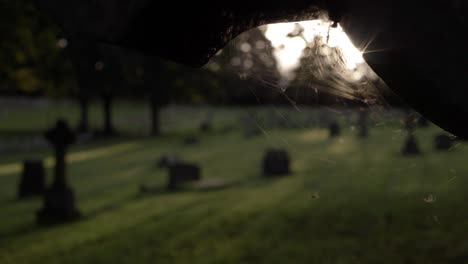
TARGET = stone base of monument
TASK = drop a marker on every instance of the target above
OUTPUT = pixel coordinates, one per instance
(411, 146)
(32, 181)
(59, 207)
(182, 172)
(443, 142)
(276, 163)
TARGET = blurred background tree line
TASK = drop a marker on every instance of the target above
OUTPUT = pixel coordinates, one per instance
(37, 60)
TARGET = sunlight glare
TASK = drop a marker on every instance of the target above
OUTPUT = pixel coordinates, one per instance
(288, 50)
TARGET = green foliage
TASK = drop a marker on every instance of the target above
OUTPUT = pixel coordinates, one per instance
(30, 60)
(168, 82)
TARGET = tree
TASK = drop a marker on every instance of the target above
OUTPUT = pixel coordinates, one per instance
(110, 80)
(31, 62)
(84, 56)
(249, 63)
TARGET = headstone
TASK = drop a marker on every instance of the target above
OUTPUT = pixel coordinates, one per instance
(334, 129)
(443, 142)
(167, 160)
(411, 146)
(59, 200)
(32, 180)
(276, 163)
(182, 172)
(363, 124)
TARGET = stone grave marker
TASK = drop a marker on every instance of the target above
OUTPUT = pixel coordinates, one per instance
(334, 129)
(410, 147)
(59, 200)
(363, 124)
(443, 142)
(276, 163)
(32, 181)
(181, 172)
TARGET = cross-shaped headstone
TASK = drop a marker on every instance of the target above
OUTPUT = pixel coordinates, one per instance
(60, 136)
(59, 200)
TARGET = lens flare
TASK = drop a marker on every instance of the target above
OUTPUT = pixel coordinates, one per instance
(290, 39)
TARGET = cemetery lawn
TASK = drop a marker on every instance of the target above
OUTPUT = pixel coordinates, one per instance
(347, 201)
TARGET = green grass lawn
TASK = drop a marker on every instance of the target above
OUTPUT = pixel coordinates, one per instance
(347, 201)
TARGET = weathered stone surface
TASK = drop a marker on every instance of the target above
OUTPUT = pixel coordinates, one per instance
(276, 163)
(182, 172)
(32, 180)
(59, 207)
(411, 146)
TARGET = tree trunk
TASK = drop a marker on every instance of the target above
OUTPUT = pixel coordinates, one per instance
(155, 107)
(83, 126)
(107, 107)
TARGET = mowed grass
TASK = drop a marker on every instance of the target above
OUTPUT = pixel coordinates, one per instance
(347, 201)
